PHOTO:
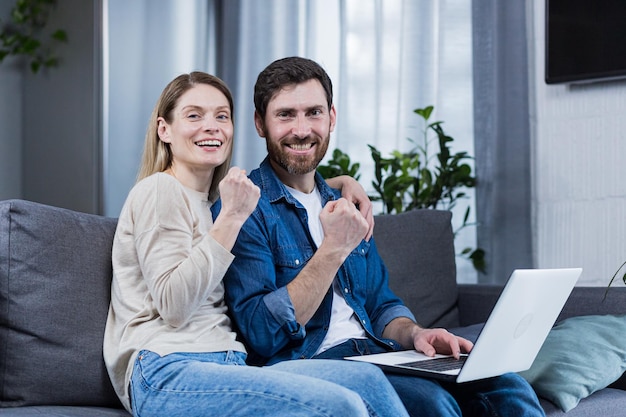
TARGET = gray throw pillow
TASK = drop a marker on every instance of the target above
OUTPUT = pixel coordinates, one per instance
(55, 277)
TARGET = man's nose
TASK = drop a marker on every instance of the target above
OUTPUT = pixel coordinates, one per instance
(302, 127)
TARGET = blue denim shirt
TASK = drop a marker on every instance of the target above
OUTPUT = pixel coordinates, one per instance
(272, 248)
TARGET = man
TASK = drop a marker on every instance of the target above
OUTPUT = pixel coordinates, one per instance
(306, 284)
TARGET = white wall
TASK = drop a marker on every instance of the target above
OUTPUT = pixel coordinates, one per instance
(579, 169)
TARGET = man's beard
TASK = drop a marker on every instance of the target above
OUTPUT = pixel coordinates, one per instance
(297, 164)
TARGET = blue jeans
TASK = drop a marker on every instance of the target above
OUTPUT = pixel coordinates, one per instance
(506, 395)
(220, 384)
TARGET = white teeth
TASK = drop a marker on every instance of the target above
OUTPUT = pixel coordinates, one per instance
(300, 147)
(209, 143)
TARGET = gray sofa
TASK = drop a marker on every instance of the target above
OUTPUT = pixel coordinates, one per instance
(55, 273)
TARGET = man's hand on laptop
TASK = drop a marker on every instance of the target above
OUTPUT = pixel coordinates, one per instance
(427, 341)
(431, 341)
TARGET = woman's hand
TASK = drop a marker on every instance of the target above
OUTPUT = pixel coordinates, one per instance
(239, 198)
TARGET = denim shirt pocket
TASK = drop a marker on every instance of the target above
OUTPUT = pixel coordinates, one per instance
(289, 261)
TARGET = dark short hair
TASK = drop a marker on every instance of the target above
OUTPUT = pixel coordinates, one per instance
(284, 72)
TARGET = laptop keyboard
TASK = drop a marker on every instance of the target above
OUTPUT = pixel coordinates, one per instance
(438, 364)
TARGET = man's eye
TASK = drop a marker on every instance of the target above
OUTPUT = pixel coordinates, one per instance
(193, 116)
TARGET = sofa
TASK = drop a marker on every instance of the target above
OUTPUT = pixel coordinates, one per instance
(55, 274)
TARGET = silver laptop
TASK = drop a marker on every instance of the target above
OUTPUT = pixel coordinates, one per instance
(510, 339)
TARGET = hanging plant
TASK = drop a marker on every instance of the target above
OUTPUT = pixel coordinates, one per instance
(23, 35)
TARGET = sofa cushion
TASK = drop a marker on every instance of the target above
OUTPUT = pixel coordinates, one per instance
(580, 356)
(604, 403)
(418, 249)
(55, 276)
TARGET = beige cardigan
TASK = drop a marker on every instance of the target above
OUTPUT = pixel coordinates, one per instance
(167, 293)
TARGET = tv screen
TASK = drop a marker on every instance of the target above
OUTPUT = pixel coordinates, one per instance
(585, 40)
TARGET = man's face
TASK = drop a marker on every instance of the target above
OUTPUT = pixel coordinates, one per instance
(297, 128)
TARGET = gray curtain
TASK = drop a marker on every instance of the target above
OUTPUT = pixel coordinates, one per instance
(502, 136)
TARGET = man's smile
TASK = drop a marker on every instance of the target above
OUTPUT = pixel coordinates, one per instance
(300, 147)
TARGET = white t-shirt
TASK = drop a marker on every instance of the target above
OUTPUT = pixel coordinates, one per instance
(344, 324)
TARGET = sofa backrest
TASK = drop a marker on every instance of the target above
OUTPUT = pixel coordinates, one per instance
(55, 278)
(418, 250)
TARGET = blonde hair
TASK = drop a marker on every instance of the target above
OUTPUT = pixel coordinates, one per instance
(157, 155)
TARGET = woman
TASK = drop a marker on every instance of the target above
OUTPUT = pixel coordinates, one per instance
(169, 346)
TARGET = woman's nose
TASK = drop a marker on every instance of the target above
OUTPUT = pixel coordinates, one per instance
(210, 125)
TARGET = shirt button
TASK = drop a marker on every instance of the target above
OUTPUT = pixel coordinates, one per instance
(297, 261)
(345, 290)
(363, 251)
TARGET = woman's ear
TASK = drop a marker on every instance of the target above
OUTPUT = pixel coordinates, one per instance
(259, 125)
(163, 130)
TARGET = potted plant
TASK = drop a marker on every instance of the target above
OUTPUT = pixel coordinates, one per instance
(418, 179)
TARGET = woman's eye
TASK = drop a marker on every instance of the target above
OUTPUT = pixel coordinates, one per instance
(223, 117)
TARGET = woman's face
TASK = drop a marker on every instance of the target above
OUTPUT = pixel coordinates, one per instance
(201, 132)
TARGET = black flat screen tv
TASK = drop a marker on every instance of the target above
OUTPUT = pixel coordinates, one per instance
(585, 40)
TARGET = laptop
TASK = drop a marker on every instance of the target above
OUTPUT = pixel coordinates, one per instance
(509, 341)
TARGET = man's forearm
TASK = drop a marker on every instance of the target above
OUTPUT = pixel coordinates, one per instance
(310, 286)
(402, 330)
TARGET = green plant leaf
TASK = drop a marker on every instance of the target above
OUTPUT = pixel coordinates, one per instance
(425, 112)
(615, 276)
(339, 164)
(59, 35)
(34, 66)
(478, 260)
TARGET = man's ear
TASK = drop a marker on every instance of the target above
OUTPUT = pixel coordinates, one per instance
(333, 117)
(163, 130)
(259, 125)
